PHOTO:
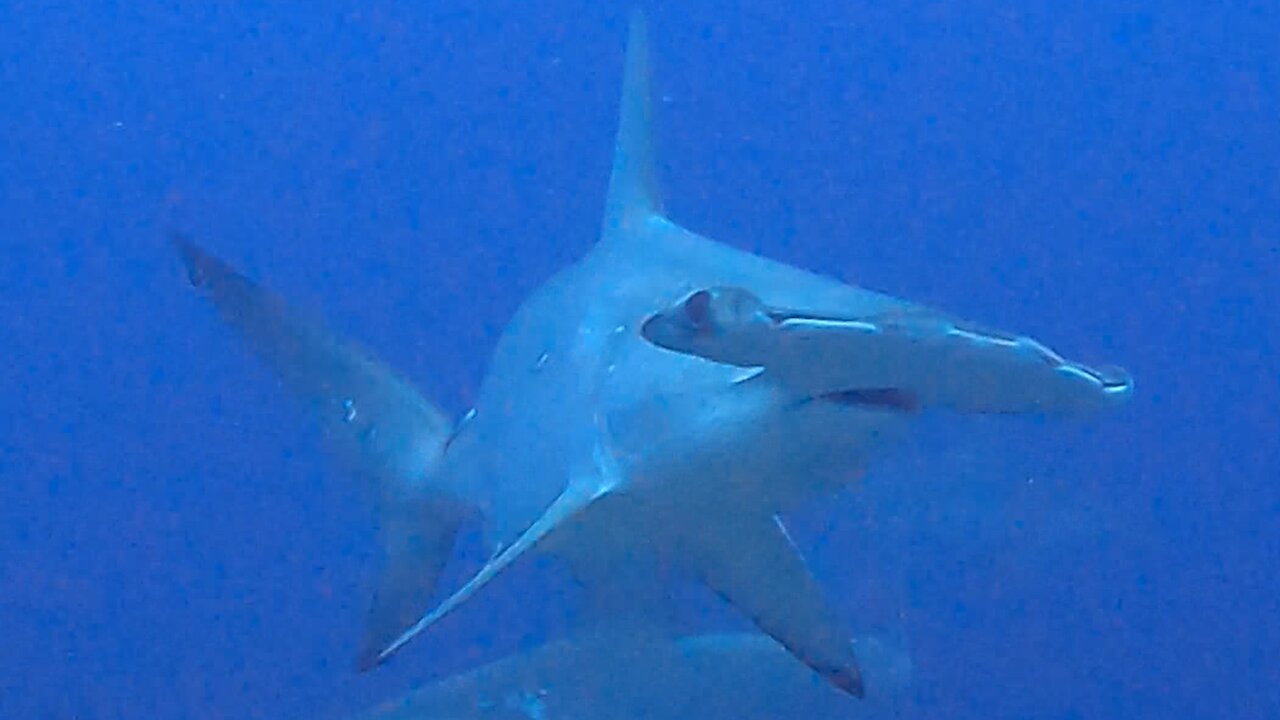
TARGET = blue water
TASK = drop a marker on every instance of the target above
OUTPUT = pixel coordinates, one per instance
(1103, 175)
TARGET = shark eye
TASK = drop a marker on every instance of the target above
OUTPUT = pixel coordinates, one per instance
(697, 308)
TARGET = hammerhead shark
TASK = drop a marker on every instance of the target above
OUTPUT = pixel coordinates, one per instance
(659, 403)
(720, 676)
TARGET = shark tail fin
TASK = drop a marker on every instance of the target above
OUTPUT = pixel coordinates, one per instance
(633, 188)
(376, 424)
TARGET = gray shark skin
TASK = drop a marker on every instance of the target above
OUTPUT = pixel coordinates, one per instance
(620, 451)
(903, 359)
(732, 676)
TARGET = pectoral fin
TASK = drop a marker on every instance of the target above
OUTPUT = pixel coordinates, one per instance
(751, 562)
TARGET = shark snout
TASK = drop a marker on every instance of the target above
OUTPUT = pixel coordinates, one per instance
(1101, 387)
(1117, 383)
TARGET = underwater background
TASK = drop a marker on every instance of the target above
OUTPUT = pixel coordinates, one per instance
(1104, 176)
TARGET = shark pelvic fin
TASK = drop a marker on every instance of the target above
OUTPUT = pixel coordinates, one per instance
(751, 562)
(375, 423)
(633, 188)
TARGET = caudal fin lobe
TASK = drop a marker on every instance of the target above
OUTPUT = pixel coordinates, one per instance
(376, 424)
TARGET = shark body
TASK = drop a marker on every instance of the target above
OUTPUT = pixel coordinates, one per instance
(616, 449)
(729, 676)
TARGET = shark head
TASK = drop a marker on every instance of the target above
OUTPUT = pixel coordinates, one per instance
(902, 360)
(666, 396)
(723, 324)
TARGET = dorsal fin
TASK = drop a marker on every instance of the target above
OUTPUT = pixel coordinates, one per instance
(633, 188)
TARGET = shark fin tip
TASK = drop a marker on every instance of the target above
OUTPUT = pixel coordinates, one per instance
(195, 259)
(845, 677)
(849, 679)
